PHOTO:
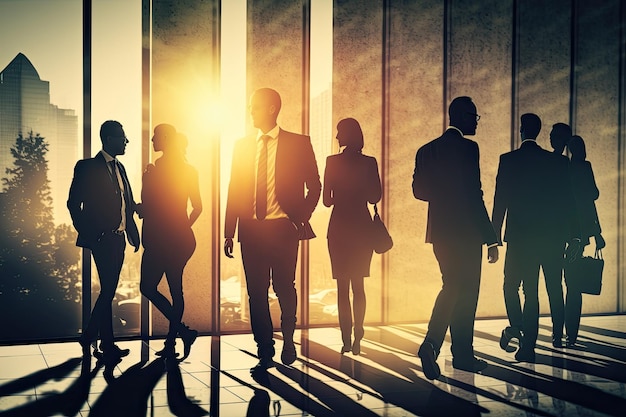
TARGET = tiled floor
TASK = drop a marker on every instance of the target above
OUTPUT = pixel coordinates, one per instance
(385, 380)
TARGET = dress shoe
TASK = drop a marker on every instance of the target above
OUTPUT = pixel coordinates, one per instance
(288, 355)
(168, 350)
(428, 357)
(263, 365)
(346, 348)
(188, 336)
(113, 351)
(356, 347)
(472, 365)
(508, 334)
(570, 342)
(525, 355)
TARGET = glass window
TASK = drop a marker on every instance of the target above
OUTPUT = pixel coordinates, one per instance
(116, 95)
(40, 116)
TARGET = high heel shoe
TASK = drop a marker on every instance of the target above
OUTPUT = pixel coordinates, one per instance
(346, 348)
(188, 336)
(359, 332)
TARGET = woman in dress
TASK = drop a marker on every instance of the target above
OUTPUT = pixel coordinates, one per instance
(585, 193)
(168, 187)
(351, 181)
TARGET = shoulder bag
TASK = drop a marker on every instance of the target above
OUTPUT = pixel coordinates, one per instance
(381, 239)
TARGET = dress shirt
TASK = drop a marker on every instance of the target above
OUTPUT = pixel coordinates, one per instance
(274, 211)
(120, 182)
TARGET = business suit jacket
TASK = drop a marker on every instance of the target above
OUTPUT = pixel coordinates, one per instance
(532, 190)
(585, 193)
(95, 202)
(298, 185)
(447, 175)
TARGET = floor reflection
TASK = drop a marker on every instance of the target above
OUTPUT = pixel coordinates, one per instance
(385, 380)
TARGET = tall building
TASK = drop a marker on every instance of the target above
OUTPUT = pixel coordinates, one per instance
(24, 107)
(321, 128)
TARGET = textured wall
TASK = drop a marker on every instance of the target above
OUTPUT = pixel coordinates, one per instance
(416, 117)
(182, 90)
(275, 55)
(479, 66)
(357, 93)
(595, 113)
(510, 57)
(274, 60)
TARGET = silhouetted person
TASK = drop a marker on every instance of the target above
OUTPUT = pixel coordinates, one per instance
(101, 205)
(531, 187)
(274, 188)
(447, 175)
(351, 180)
(560, 135)
(168, 187)
(585, 193)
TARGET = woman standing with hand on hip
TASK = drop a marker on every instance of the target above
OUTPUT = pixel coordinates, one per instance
(168, 187)
(351, 181)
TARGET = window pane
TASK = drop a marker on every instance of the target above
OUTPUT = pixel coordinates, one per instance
(184, 96)
(322, 286)
(233, 293)
(40, 115)
(116, 95)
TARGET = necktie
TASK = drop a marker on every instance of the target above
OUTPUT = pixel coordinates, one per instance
(261, 181)
(113, 166)
(120, 188)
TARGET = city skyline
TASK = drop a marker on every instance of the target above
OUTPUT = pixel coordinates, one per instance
(25, 108)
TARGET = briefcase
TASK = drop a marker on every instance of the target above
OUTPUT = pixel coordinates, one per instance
(585, 274)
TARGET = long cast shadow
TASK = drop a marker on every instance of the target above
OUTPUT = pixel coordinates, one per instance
(39, 377)
(601, 367)
(603, 332)
(331, 397)
(67, 403)
(589, 344)
(571, 391)
(259, 404)
(414, 395)
(127, 395)
(330, 400)
(177, 400)
(464, 388)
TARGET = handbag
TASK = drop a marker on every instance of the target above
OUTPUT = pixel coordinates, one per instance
(381, 239)
(585, 273)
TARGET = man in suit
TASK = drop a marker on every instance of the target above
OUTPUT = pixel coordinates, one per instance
(267, 201)
(531, 191)
(101, 205)
(447, 175)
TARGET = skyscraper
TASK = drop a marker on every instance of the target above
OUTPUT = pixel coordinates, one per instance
(24, 107)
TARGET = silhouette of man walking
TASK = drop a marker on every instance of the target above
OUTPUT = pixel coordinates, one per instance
(101, 205)
(447, 175)
(268, 203)
(531, 191)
